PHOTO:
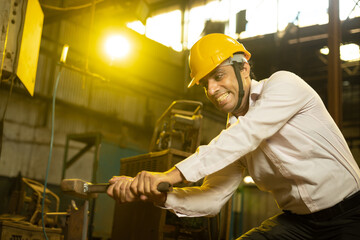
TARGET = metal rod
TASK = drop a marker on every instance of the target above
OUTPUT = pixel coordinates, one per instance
(85, 225)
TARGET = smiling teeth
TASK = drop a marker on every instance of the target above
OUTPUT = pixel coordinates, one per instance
(222, 97)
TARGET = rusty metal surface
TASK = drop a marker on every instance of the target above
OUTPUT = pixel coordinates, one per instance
(26, 201)
(10, 230)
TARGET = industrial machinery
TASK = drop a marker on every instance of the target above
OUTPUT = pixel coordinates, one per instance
(21, 22)
(102, 156)
(155, 223)
(26, 201)
(179, 127)
(176, 136)
(23, 220)
(77, 218)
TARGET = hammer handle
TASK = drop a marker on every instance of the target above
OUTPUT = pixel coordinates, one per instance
(97, 188)
(102, 187)
(164, 187)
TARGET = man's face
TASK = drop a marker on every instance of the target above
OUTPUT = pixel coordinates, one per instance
(221, 88)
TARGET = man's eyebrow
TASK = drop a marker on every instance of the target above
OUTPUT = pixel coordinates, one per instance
(213, 72)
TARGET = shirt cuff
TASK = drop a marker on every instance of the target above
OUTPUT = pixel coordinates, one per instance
(191, 168)
(173, 204)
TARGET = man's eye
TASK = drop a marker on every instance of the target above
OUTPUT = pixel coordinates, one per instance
(218, 77)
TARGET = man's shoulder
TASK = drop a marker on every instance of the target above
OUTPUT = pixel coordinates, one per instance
(284, 75)
(278, 75)
(287, 82)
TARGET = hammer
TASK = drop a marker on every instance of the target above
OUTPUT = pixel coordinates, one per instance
(82, 189)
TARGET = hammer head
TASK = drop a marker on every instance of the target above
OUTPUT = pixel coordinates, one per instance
(77, 188)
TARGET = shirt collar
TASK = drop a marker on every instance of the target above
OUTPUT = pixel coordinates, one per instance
(255, 91)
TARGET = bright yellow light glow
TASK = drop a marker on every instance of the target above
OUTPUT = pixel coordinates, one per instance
(163, 28)
(137, 26)
(248, 180)
(324, 50)
(117, 47)
(348, 52)
(64, 53)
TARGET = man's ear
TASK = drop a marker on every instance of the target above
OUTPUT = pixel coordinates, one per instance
(246, 69)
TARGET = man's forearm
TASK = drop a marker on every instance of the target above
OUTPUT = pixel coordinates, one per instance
(175, 175)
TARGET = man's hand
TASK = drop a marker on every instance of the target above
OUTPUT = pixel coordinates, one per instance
(145, 184)
(119, 189)
(143, 187)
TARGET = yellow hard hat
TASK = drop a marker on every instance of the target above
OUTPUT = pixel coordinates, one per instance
(209, 52)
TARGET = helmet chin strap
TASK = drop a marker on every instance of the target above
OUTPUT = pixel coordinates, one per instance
(237, 66)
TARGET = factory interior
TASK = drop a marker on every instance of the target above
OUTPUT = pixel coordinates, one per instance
(92, 89)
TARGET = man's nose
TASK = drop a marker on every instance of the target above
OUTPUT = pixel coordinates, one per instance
(213, 87)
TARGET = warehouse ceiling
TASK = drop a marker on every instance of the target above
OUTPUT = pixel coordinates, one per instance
(126, 9)
(296, 49)
(304, 42)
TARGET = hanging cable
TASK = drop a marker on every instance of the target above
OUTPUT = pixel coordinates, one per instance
(50, 152)
(62, 61)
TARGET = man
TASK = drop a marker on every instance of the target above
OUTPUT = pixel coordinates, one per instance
(278, 129)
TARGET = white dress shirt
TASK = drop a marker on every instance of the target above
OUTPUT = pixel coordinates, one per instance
(290, 146)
